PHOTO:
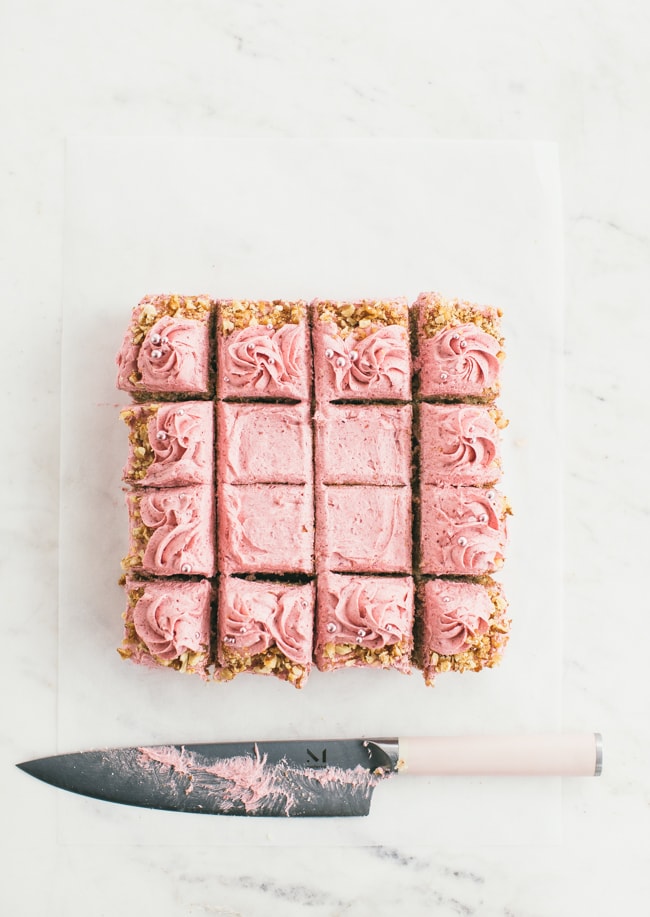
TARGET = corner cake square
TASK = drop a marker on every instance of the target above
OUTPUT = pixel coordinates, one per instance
(361, 350)
(460, 444)
(167, 348)
(266, 528)
(264, 443)
(363, 444)
(171, 531)
(364, 621)
(170, 444)
(363, 529)
(460, 349)
(263, 350)
(460, 626)
(462, 530)
(167, 623)
(265, 628)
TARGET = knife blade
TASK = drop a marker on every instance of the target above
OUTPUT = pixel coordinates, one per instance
(297, 778)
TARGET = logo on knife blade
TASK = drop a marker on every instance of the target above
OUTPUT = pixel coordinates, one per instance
(318, 761)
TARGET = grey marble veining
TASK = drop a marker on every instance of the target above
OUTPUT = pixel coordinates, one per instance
(571, 72)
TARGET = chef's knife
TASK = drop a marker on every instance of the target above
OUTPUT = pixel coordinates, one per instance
(303, 778)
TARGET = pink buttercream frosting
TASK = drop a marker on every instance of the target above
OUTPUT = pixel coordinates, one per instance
(173, 618)
(181, 438)
(376, 365)
(182, 536)
(455, 613)
(463, 530)
(460, 360)
(459, 445)
(370, 611)
(265, 361)
(256, 616)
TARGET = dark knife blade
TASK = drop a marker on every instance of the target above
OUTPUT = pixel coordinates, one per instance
(291, 778)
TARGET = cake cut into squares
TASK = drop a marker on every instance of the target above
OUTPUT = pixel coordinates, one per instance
(172, 531)
(263, 350)
(167, 623)
(265, 628)
(266, 528)
(361, 350)
(264, 443)
(460, 444)
(363, 529)
(462, 530)
(460, 626)
(364, 621)
(460, 349)
(363, 444)
(167, 350)
(170, 444)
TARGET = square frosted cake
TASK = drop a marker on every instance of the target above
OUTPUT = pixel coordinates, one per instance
(264, 443)
(265, 628)
(363, 444)
(462, 530)
(170, 444)
(167, 623)
(364, 621)
(460, 626)
(266, 528)
(460, 444)
(172, 531)
(167, 348)
(361, 350)
(263, 350)
(460, 349)
(363, 529)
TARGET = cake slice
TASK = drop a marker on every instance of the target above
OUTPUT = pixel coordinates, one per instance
(363, 529)
(460, 349)
(462, 530)
(167, 352)
(460, 626)
(170, 444)
(363, 444)
(361, 350)
(167, 623)
(263, 350)
(460, 444)
(264, 443)
(266, 528)
(364, 621)
(265, 628)
(172, 531)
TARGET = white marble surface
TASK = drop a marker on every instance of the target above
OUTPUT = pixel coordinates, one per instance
(569, 72)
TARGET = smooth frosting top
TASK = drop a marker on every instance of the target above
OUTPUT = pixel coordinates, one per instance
(264, 443)
(455, 614)
(171, 619)
(380, 360)
(371, 612)
(459, 444)
(461, 358)
(266, 360)
(181, 536)
(181, 440)
(258, 616)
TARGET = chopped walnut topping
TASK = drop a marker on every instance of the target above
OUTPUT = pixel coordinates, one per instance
(137, 421)
(236, 314)
(353, 654)
(271, 662)
(364, 315)
(153, 308)
(438, 313)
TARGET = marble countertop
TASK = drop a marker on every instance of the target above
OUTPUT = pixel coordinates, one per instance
(570, 73)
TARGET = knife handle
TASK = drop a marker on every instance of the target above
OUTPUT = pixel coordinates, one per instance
(562, 755)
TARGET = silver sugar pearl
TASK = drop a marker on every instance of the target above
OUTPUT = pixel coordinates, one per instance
(186, 568)
(329, 353)
(155, 339)
(444, 376)
(462, 541)
(446, 598)
(463, 344)
(483, 517)
(242, 629)
(229, 640)
(156, 354)
(270, 326)
(353, 355)
(455, 337)
(361, 632)
(161, 435)
(331, 627)
(340, 361)
(164, 340)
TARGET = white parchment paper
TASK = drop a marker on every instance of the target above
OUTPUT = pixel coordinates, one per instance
(305, 218)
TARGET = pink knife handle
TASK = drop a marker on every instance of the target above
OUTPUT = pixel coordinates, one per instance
(564, 755)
